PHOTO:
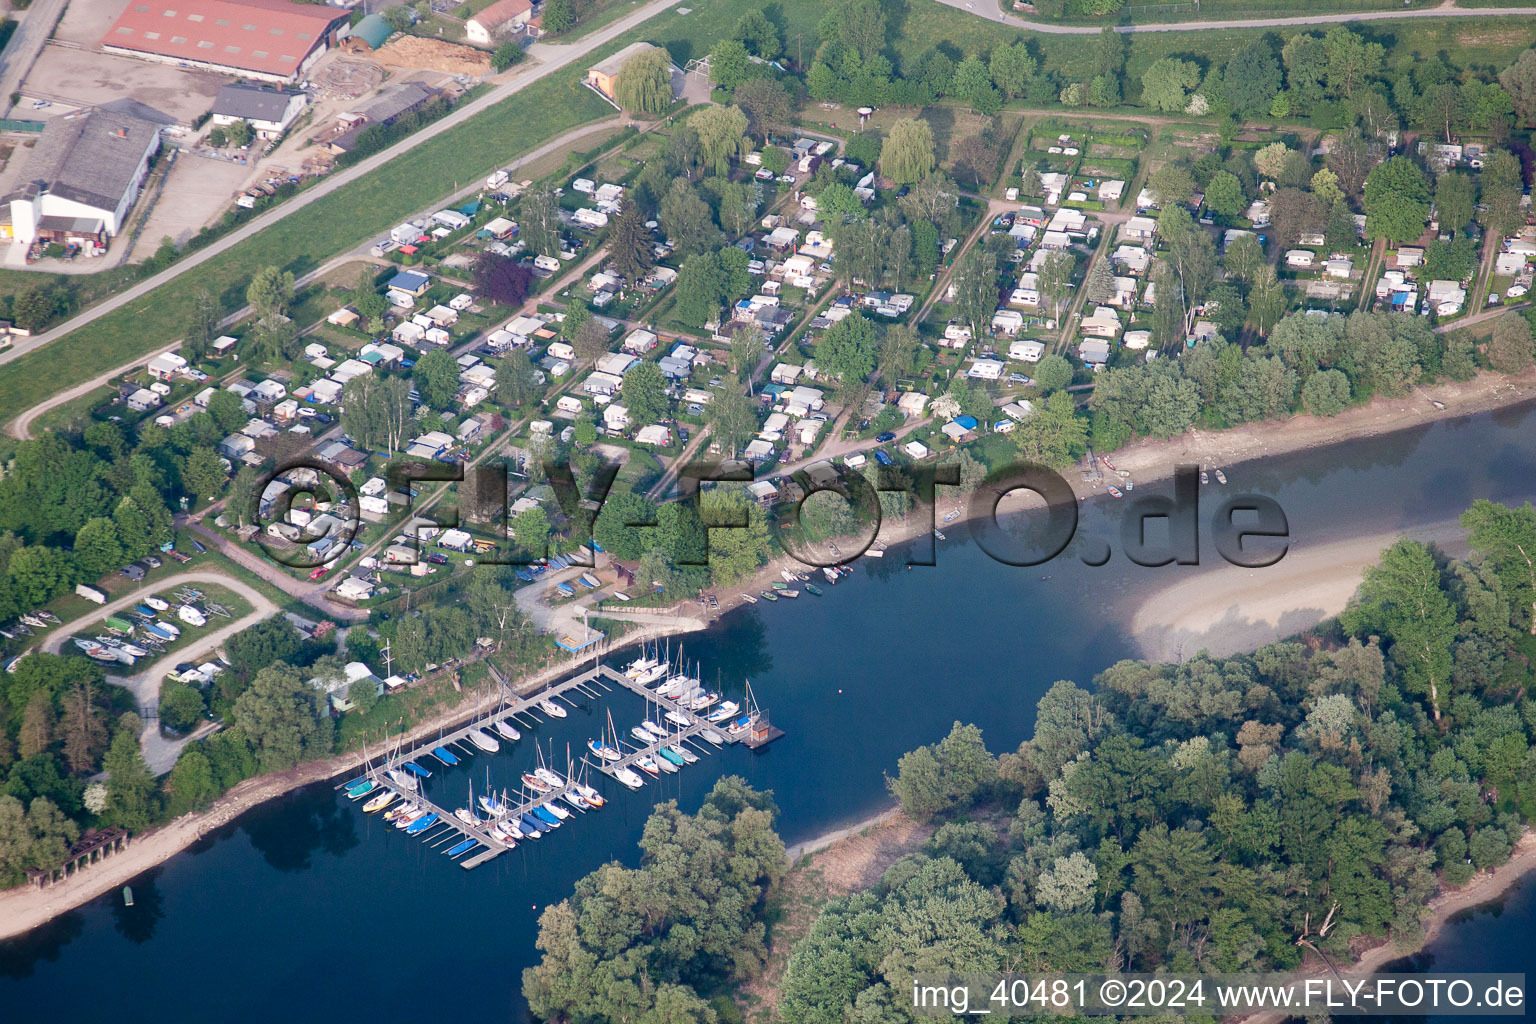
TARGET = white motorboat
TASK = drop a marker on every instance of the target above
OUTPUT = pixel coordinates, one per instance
(629, 778)
(484, 740)
(678, 718)
(642, 734)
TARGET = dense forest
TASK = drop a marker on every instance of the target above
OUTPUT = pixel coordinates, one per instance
(1194, 817)
(662, 943)
(62, 721)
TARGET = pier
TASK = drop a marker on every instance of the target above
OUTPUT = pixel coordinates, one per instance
(451, 833)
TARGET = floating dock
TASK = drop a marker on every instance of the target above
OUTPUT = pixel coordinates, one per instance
(452, 833)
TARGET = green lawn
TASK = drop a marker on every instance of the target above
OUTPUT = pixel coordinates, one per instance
(303, 241)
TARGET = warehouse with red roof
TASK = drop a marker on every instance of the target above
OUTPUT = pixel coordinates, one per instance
(268, 40)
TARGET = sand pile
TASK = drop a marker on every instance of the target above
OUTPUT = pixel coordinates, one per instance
(433, 54)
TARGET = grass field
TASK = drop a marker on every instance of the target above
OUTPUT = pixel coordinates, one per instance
(370, 205)
(305, 240)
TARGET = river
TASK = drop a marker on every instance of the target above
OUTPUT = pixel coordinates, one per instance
(305, 909)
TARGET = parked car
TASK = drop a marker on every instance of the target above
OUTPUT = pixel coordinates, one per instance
(882, 458)
(199, 546)
(885, 436)
(437, 558)
(153, 561)
(133, 571)
(319, 572)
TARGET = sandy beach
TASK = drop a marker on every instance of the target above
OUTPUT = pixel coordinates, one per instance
(1155, 459)
(1233, 609)
(26, 907)
(1219, 612)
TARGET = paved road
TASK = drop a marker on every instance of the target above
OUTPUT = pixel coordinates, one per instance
(33, 28)
(310, 593)
(21, 426)
(145, 686)
(989, 9)
(549, 58)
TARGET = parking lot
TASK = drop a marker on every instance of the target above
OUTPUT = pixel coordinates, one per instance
(81, 78)
(198, 191)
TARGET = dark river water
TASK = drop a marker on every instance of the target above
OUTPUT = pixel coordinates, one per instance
(306, 909)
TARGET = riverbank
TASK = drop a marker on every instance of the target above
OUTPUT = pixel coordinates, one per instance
(854, 858)
(1321, 578)
(26, 907)
(1155, 459)
(1484, 888)
(23, 909)
(1231, 609)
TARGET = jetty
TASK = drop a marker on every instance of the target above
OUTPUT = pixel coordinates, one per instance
(472, 844)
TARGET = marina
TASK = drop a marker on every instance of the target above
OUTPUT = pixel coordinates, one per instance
(534, 808)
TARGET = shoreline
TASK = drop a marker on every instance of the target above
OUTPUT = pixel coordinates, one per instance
(1482, 889)
(25, 908)
(1223, 613)
(1150, 460)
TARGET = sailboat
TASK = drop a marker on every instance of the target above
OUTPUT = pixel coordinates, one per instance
(484, 740)
(603, 750)
(467, 814)
(723, 712)
(628, 778)
(640, 665)
(405, 780)
(380, 802)
(505, 728)
(549, 707)
(550, 776)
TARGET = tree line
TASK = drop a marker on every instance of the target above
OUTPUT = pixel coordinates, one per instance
(1194, 817)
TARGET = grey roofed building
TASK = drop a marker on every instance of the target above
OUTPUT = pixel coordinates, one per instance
(253, 102)
(85, 167)
(386, 108)
(394, 101)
